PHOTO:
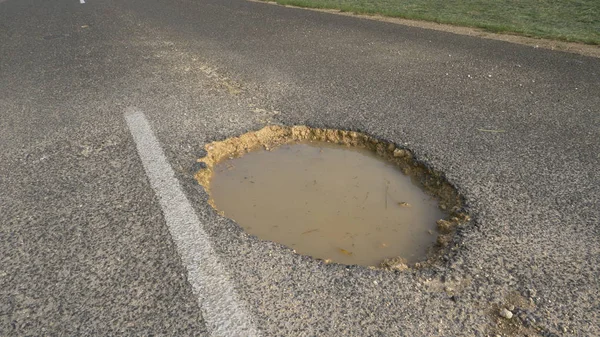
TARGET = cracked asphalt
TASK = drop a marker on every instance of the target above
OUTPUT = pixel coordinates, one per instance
(84, 247)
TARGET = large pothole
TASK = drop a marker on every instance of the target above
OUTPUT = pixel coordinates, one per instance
(339, 196)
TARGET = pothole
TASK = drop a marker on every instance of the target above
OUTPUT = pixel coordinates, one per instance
(339, 196)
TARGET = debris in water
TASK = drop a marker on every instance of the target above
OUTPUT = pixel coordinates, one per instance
(345, 252)
(310, 231)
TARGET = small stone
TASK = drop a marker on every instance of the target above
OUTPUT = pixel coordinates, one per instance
(443, 241)
(444, 226)
(399, 153)
(199, 166)
(202, 153)
(395, 263)
(506, 313)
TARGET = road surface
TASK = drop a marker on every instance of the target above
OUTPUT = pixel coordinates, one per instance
(105, 106)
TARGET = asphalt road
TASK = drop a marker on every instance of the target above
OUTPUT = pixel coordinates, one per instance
(84, 245)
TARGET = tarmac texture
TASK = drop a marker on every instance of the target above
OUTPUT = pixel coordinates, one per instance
(84, 246)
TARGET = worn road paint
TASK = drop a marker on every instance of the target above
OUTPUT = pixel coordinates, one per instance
(81, 1)
(225, 315)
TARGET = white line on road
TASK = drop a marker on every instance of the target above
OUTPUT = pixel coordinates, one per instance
(81, 1)
(223, 312)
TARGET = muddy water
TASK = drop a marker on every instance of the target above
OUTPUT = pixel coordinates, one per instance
(328, 201)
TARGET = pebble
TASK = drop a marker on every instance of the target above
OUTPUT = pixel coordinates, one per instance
(506, 313)
(198, 166)
(399, 153)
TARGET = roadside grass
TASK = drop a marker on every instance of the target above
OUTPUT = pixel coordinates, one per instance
(567, 20)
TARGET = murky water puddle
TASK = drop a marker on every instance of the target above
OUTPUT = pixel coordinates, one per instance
(333, 202)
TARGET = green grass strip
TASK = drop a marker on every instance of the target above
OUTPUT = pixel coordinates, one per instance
(566, 20)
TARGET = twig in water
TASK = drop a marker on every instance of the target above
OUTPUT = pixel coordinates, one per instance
(310, 231)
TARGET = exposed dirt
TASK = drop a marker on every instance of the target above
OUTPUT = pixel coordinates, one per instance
(430, 180)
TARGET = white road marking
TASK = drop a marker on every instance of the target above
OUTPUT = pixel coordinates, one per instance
(223, 312)
(81, 1)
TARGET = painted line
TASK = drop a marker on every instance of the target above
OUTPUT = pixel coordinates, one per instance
(221, 308)
(81, 1)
